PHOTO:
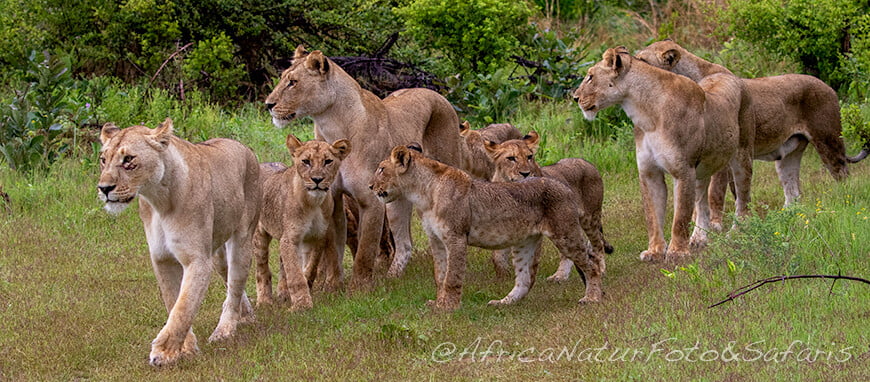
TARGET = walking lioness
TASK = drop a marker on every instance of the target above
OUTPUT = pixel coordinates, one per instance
(199, 204)
(458, 211)
(297, 211)
(686, 129)
(315, 86)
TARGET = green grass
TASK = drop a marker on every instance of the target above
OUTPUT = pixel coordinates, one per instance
(78, 299)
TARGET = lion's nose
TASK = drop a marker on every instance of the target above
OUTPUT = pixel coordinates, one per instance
(525, 174)
(270, 105)
(106, 189)
(316, 179)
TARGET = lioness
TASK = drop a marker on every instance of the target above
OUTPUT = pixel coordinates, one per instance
(315, 86)
(199, 204)
(476, 159)
(681, 127)
(514, 160)
(297, 210)
(782, 113)
(458, 211)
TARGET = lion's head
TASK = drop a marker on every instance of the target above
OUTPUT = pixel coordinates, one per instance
(304, 88)
(514, 159)
(600, 87)
(317, 162)
(386, 182)
(129, 160)
(661, 54)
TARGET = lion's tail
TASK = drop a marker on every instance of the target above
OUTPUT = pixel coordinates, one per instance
(863, 154)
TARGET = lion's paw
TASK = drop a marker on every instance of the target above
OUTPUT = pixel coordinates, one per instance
(651, 256)
(222, 332)
(162, 354)
(302, 304)
(558, 278)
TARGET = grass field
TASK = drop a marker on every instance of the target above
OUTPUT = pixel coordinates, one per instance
(79, 301)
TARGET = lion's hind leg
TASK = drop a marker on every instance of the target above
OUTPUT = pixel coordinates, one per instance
(525, 261)
(577, 248)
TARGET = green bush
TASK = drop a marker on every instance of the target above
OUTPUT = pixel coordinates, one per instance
(812, 32)
(212, 66)
(487, 98)
(31, 125)
(475, 35)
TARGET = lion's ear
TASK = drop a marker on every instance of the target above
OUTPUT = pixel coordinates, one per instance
(343, 147)
(300, 52)
(464, 128)
(292, 143)
(108, 131)
(415, 146)
(163, 132)
(532, 140)
(318, 62)
(617, 59)
(490, 146)
(670, 57)
(401, 157)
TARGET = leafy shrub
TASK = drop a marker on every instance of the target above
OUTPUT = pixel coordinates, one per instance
(487, 98)
(475, 35)
(812, 32)
(30, 126)
(856, 122)
(212, 66)
(556, 64)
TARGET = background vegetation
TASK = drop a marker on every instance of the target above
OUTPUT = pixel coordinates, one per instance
(78, 299)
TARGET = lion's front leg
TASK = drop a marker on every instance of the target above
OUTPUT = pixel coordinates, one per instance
(300, 294)
(450, 290)
(654, 194)
(399, 216)
(702, 216)
(684, 208)
(716, 198)
(236, 307)
(183, 289)
(371, 220)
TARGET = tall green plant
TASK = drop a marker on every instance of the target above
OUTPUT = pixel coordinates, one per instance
(815, 33)
(30, 126)
(476, 35)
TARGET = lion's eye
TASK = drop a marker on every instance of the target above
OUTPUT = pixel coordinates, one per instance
(102, 160)
(291, 83)
(327, 162)
(512, 159)
(529, 157)
(589, 78)
(306, 162)
(127, 159)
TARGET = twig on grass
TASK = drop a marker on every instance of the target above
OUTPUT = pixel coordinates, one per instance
(748, 288)
(6, 201)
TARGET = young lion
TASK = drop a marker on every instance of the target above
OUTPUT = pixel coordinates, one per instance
(514, 160)
(297, 210)
(315, 86)
(681, 127)
(196, 201)
(476, 159)
(458, 211)
(782, 113)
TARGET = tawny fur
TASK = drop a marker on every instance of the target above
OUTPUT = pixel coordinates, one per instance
(297, 210)
(781, 114)
(514, 160)
(315, 86)
(476, 159)
(199, 204)
(458, 211)
(683, 128)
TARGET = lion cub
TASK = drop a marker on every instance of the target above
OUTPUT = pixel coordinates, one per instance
(199, 204)
(514, 160)
(297, 211)
(458, 211)
(475, 159)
